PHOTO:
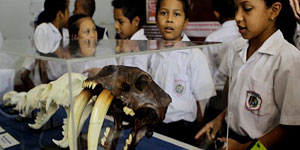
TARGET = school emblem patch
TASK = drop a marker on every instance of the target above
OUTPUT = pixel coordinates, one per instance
(179, 87)
(253, 101)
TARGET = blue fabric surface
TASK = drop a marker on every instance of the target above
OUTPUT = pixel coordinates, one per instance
(36, 140)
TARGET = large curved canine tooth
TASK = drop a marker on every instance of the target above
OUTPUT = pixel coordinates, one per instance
(79, 104)
(99, 112)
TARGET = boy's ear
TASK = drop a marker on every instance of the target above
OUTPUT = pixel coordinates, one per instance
(136, 21)
(217, 14)
(60, 15)
(186, 21)
(275, 10)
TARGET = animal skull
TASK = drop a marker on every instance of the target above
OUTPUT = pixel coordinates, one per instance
(53, 95)
(131, 95)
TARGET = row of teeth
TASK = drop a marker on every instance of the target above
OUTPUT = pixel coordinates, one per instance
(128, 142)
(90, 85)
(128, 111)
(103, 140)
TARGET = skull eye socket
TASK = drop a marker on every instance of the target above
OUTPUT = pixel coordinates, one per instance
(142, 82)
(125, 87)
(107, 70)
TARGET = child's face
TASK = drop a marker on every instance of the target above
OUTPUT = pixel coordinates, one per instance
(87, 29)
(254, 19)
(124, 27)
(77, 8)
(171, 19)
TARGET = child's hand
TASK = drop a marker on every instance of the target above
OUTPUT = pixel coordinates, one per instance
(296, 9)
(210, 129)
(92, 71)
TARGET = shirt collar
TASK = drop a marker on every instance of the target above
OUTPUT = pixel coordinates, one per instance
(54, 29)
(270, 46)
(184, 37)
(139, 35)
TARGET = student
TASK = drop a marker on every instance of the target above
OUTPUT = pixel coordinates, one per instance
(224, 11)
(129, 18)
(51, 24)
(264, 78)
(87, 7)
(183, 74)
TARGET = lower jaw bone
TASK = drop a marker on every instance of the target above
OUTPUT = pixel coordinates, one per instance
(97, 117)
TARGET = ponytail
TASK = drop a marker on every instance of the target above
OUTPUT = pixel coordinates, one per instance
(51, 8)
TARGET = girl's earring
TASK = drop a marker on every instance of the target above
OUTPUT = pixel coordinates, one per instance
(272, 19)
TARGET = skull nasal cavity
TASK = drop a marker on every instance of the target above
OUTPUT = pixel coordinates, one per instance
(142, 82)
(125, 87)
(107, 70)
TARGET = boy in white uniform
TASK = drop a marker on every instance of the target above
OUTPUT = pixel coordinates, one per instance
(183, 74)
(224, 11)
(264, 79)
(129, 18)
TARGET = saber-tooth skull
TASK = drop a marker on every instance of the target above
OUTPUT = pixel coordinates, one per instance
(131, 96)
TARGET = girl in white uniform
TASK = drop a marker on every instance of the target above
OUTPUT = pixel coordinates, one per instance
(264, 73)
(50, 30)
(183, 74)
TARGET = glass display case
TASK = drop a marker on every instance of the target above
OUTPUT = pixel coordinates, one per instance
(87, 94)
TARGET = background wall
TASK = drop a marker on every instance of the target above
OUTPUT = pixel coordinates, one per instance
(16, 16)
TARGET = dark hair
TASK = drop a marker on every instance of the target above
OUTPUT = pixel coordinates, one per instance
(132, 9)
(74, 24)
(185, 5)
(226, 8)
(286, 20)
(89, 6)
(51, 8)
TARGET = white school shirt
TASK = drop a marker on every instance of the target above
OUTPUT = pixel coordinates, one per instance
(226, 33)
(139, 61)
(215, 53)
(264, 90)
(185, 76)
(47, 39)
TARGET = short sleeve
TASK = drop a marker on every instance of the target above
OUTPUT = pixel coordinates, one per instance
(45, 39)
(202, 85)
(287, 93)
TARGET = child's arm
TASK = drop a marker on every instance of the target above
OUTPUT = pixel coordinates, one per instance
(26, 80)
(275, 139)
(211, 128)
